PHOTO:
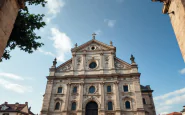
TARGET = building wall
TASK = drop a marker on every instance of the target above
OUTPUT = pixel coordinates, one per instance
(101, 97)
(109, 71)
(8, 14)
(178, 22)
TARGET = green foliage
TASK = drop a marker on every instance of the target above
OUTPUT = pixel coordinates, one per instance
(23, 35)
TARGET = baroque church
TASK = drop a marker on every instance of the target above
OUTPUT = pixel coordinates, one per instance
(96, 82)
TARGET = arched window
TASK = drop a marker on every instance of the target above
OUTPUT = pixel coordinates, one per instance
(92, 89)
(110, 105)
(59, 90)
(73, 107)
(125, 88)
(108, 88)
(57, 106)
(144, 101)
(127, 105)
(75, 89)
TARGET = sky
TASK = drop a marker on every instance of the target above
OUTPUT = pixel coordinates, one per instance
(136, 27)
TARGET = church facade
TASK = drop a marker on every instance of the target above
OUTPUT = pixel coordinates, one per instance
(95, 82)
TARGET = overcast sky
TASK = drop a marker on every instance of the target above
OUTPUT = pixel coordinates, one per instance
(136, 27)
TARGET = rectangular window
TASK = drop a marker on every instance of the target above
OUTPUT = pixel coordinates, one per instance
(108, 88)
(125, 88)
(144, 101)
(59, 90)
(75, 90)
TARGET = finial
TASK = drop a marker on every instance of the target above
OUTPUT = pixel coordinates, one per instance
(111, 43)
(132, 58)
(76, 45)
(54, 62)
(93, 35)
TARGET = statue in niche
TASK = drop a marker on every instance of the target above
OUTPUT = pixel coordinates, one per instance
(106, 59)
(78, 60)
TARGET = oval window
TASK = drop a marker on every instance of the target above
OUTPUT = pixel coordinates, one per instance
(92, 89)
(92, 65)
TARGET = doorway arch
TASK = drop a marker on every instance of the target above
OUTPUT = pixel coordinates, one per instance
(91, 108)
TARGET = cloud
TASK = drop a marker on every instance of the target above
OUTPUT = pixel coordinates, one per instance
(182, 71)
(110, 23)
(54, 6)
(14, 87)
(174, 93)
(98, 32)
(46, 53)
(164, 103)
(62, 43)
(11, 76)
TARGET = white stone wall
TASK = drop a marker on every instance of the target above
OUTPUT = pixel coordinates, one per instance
(109, 71)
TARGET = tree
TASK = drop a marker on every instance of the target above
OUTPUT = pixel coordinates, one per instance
(23, 35)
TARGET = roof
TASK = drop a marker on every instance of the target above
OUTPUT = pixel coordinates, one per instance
(146, 88)
(14, 108)
(175, 113)
(90, 42)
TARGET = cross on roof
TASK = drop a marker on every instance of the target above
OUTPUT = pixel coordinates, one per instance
(94, 35)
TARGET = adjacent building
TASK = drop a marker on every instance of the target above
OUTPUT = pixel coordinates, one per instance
(183, 111)
(176, 11)
(15, 109)
(8, 14)
(96, 82)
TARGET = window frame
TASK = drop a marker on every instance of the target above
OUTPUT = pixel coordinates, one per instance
(110, 89)
(111, 109)
(124, 88)
(61, 90)
(74, 90)
(126, 105)
(56, 106)
(73, 107)
(94, 89)
(144, 101)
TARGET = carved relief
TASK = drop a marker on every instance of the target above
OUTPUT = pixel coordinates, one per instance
(79, 60)
(118, 65)
(66, 68)
(106, 59)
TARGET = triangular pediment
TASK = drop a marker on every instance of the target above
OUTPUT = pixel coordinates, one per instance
(66, 66)
(93, 45)
(120, 64)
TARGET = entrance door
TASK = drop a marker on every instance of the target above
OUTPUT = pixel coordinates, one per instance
(91, 108)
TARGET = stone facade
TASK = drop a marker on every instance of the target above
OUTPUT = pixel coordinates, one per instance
(8, 14)
(94, 75)
(176, 11)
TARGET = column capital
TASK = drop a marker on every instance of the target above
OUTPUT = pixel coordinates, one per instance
(82, 83)
(116, 82)
(101, 53)
(102, 83)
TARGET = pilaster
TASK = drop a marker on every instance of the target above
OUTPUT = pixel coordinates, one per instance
(67, 98)
(80, 99)
(47, 97)
(117, 104)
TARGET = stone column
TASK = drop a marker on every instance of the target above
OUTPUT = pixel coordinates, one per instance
(84, 57)
(138, 96)
(67, 98)
(47, 98)
(117, 104)
(8, 14)
(80, 102)
(102, 98)
(101, 63)
(73, 61)
(112, 62)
